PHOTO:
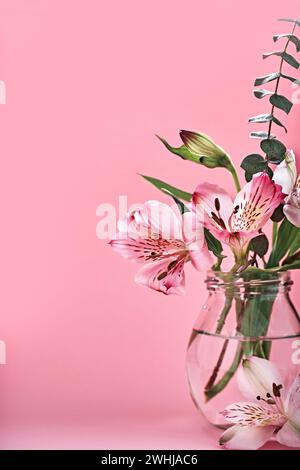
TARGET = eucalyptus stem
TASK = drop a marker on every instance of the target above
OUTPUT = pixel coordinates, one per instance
(279, 77)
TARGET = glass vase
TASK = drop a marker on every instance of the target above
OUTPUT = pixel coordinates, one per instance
(245, 314)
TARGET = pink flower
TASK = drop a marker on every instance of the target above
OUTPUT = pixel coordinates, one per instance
(272, 411)
(286, 176)
(236, 222)
(155, 236)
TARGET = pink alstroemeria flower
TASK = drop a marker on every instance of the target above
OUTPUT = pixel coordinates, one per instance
(286, 176)
(156, 236)
(272, 411)
(236, 222)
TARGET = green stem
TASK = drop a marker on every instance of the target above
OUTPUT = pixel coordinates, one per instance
(224, 313)
(219, 386)
(235, 178)
(220, 324)
(211, 388)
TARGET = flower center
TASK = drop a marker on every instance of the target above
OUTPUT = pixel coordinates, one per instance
(217, 217)
(273, 399)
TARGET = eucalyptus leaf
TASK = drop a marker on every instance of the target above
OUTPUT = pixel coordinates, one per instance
(168, 189)
(266, 79)
(248, 176)
(261, 118)
(294, 39)
(261, 135)
(285, 56)
(279, 123)
(254, 163)
(281, 102)
(278, 214)
(290, 20)
(270, 172)
(259, 245)
(291, 79)
(274, 149)
(261, 93)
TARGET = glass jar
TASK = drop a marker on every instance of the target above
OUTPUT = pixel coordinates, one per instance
(245, 314)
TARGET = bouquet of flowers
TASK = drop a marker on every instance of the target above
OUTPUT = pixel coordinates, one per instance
(208, 225)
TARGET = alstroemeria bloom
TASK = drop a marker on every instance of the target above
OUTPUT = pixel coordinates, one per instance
(272, 411)
(286, 176)
(156, 236)
(236, 222)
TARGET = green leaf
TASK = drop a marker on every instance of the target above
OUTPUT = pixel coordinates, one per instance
(261, 118)
(295, 245)
(261, 135)
(281, 102)
(213, 243)
(259, 245)
(266, 79)
(254, 163)
(276, 121)
(286, 234)
(291, 79)
(289, 36)
(278, 214)
(285, 56)
(182, 151)
(168, 189)
(182, 207)
(288, 267)
(274, 149)
(290, 20)
(261, 93)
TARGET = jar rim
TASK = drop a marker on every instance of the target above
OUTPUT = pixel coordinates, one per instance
(248, 278)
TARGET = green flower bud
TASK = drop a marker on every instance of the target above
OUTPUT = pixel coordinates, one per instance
(211, 155)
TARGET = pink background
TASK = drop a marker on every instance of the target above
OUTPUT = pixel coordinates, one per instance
(93, 361)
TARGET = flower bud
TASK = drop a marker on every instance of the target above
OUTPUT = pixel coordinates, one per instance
(211, 155)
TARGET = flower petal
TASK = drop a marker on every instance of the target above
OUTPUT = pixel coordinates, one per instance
(257, 376)
(143, 250)
(153, 219)
(292, 401)
(252, 414)
(201, 257)
(285, 173)
(246, 437)
(165, 276)
(255, 204)
(209, 198)
(289, 434)
(292, 213)
(193, 227)
(162, 220)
